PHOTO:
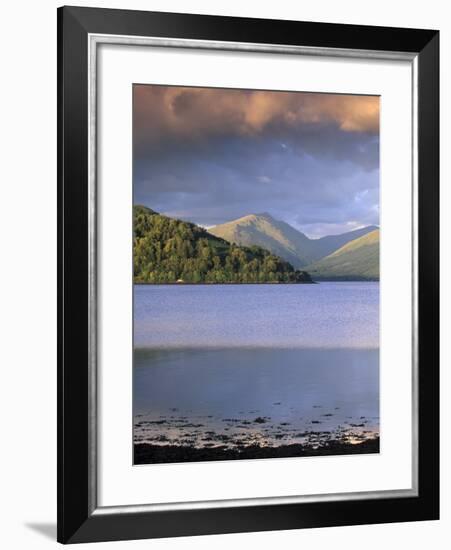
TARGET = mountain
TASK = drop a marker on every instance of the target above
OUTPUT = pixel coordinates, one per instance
(356, 260)
(263, 230)
(329, 244)
(166, 250)
(282, 239)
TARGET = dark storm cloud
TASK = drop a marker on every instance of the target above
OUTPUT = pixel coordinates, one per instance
(308, 159)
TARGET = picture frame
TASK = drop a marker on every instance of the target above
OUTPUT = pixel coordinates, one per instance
(80, 32)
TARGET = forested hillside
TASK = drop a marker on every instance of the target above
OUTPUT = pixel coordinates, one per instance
(167, 250)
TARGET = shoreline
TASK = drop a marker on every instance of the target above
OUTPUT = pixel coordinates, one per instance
(229, 283)
(313, 282)
(145, 453)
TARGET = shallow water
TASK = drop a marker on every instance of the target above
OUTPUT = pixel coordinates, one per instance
(238, 396)
(236, 365)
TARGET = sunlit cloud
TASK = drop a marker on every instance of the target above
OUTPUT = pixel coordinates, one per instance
(168, 113)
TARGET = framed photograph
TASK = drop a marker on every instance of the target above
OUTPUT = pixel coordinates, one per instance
(248, 274)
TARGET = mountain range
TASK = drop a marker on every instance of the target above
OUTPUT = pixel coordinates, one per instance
(357, 260)
(348, 256)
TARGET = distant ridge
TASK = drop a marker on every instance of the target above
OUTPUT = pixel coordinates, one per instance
(327, 245)
(282, 239)
(356, 260)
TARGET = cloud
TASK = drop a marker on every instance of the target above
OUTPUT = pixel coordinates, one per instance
(229, 179)
(164, 113)
(210, 156)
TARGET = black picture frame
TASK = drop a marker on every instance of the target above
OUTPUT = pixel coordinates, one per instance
(79, 520)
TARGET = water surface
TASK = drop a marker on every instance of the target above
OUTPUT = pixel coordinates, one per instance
(235, 365)
(332, 315)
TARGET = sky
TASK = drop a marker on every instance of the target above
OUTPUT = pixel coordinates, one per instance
(210, 155)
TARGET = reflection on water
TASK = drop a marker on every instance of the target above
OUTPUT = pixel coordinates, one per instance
(235, 397)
